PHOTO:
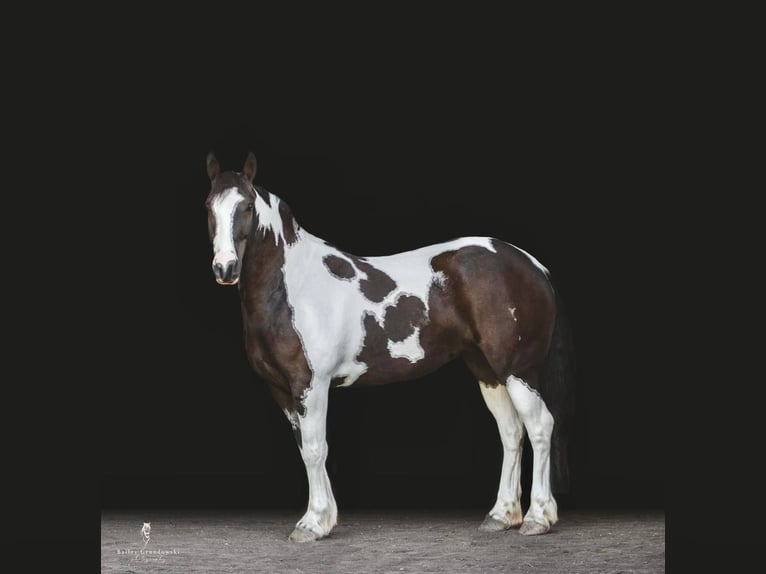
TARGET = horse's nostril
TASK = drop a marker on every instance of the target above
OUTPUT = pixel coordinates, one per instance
(226, 272)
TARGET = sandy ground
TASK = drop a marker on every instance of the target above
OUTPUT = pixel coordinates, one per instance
(401, 541)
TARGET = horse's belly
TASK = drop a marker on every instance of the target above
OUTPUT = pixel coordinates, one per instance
(388, 362)
(397, 370)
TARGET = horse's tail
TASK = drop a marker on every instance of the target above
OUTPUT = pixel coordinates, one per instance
(557, 386)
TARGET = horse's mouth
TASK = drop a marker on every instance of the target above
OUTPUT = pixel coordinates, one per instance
(232, 282)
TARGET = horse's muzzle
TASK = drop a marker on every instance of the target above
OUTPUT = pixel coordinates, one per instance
(226, 273)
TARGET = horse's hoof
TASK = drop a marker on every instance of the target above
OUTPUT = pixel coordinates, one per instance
(493, 525)
(530, 528)
(300, 534)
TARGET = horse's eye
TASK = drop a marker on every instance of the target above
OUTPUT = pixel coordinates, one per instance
(250, 205)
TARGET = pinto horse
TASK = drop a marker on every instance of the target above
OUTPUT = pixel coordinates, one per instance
(315, 317)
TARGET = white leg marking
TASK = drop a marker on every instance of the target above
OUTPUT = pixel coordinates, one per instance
(292, 417)
(322, 512)
(539, 424)
(507, 509)
(268, 215)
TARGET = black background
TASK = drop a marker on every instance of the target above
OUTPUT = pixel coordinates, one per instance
(377, 161)
(552, 138)
(588, 136)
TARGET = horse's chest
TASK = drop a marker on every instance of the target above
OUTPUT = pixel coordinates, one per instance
(273, 346)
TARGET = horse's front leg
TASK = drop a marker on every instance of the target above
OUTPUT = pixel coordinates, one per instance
(322, 512)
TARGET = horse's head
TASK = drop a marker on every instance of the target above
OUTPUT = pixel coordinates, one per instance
(230, 214)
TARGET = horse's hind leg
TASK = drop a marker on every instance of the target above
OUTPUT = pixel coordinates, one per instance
(537, 419)
(507, 510)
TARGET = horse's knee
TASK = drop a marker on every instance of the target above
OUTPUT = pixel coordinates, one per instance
(313, 452)
(512, 438)
(540, 434)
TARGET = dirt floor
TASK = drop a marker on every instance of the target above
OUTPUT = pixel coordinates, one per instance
(402, 541)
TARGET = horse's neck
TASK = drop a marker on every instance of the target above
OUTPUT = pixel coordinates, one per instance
(262, 266)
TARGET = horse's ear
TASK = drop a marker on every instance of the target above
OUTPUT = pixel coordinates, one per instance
(250, 165)
(212, 166)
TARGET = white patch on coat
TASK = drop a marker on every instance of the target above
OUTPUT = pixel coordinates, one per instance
(513, 313)
(439, 279)
(269, 218)
(224, 207)
(409, 349)
(328, 314)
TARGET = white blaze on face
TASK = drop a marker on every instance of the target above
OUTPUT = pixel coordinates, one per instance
(224, 207)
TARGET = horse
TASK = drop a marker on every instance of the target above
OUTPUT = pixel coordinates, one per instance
(315, 317)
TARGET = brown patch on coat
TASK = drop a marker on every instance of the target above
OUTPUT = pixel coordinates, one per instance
(273, 347)
(377, 284)
(265, 195)
(288, 223)
(376, 356)
(402, 318)
(339, 267)
(483, 287)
